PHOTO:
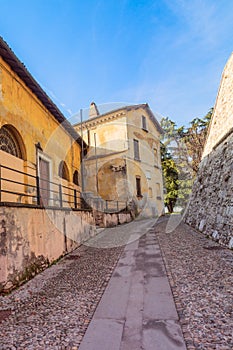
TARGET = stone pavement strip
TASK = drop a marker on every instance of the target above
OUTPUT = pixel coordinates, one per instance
(137, 309)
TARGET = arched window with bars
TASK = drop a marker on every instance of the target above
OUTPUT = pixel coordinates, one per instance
(11, 141)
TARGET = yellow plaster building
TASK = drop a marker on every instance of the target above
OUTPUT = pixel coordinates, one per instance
(40, 207)
(123, 163)
(35, 139)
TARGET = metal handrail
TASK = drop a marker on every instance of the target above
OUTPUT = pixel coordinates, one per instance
(73, 194)
(17, 182)
(17, 171)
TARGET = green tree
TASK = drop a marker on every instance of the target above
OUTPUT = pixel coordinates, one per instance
(194, 139)
(170, 178)
(186, 143)
(184, 146)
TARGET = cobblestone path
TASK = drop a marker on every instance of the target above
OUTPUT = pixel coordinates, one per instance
(52, 311)
(201, 276)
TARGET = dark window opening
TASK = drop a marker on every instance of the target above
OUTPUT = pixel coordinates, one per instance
(144, 125)
(44, 182)
(150, 192)
(88, 137)
(75, 178)
(155, 156)
(63, 171)
(136, 149)
(138, 186)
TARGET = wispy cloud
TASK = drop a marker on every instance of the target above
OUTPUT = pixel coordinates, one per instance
(56, 100)
(199, 17)
(206, 21)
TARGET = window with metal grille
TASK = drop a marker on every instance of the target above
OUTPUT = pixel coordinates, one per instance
(9, 142)
(136, 149)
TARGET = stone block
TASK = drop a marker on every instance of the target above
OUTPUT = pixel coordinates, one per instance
(122, 218)
(215, 235)
(201, 225)
(111, 220)
(231, 243)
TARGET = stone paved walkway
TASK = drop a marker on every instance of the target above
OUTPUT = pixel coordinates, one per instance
(137, 310)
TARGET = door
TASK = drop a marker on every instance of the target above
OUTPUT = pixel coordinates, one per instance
(44, 182)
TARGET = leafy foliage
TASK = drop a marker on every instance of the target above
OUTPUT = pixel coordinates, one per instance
(170, 175)
(181, 151)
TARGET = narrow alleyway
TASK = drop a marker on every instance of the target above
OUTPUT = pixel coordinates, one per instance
(137, 309)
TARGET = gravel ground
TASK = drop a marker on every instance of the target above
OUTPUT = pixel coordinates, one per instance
(53, 310)
(201, 277)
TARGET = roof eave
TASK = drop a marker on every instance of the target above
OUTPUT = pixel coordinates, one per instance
(19, 68)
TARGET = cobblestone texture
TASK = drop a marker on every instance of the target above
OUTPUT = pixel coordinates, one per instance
(53, 310)
(200, 274)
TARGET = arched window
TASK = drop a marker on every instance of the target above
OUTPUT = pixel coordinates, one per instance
(10, 141)
(63, 171)
(75, 178)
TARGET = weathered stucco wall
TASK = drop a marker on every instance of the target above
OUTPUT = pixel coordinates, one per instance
(31, 239)
(20, 108)
(211, 204)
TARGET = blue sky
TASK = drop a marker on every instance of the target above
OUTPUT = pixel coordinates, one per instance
(169, 53)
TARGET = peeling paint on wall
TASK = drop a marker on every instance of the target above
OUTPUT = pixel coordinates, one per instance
(31, 239)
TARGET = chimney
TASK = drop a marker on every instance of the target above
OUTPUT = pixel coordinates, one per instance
(93, 112)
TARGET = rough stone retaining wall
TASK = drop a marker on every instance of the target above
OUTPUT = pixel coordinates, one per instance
(111, 219)
(211, 206)
(33, 238)
(221, 122)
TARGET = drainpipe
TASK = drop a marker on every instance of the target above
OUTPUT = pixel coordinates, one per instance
(96, 166)
(82, 152)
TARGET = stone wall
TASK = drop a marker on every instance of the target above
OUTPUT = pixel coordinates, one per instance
(111, 219)
(32, 238)
(221, 121)
(211, 205)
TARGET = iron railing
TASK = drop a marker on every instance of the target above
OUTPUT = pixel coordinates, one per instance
(28, 190)
(107, 206)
